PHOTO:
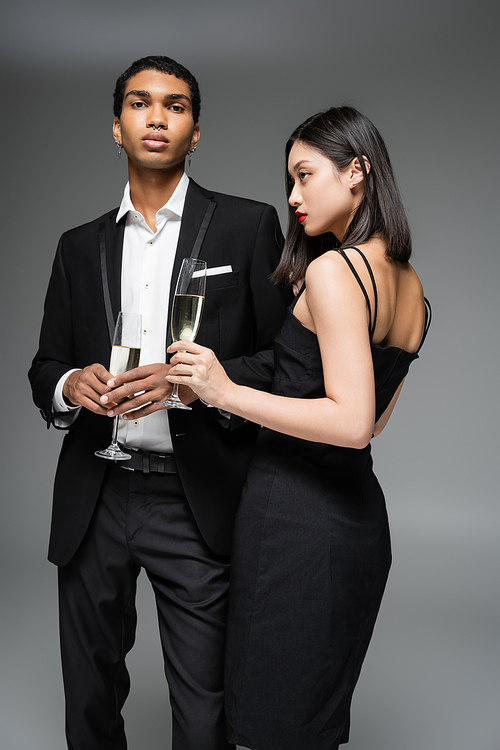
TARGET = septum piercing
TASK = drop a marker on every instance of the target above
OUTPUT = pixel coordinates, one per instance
(156, 127)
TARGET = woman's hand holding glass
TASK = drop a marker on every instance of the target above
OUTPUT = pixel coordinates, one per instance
(198, 367)
(187, 309)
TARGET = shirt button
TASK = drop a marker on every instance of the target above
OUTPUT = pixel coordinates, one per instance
(136, 216)
(151, 242)
(146, 286)
(144, 332)
(136, 423)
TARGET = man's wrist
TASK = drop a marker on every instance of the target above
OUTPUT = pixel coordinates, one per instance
(60, 403)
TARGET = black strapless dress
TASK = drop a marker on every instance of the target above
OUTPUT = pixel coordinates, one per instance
(311, 555)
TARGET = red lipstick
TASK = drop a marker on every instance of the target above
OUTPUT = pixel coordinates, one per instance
(302, 217)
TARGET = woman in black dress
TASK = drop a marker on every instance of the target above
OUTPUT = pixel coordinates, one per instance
(311, 547)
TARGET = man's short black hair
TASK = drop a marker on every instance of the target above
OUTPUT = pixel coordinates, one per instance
(163, 65)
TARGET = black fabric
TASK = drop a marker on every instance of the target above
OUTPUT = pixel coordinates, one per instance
(101, 535)
(310, 563)
(143, 520)
(242, 313)
(148, 461)
(105, 282)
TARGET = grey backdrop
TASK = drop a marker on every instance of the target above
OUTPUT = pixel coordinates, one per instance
(426, 73)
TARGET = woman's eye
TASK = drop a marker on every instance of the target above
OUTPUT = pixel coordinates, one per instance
(303, 175)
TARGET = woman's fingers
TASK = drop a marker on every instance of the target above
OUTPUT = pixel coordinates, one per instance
(187, 346)
(201, 357)
(198, 367)
(184, 357)
(183, 368)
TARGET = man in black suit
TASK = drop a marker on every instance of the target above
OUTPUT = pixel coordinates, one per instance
(171, 514)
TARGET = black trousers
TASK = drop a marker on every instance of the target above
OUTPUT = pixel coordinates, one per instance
(143, 520)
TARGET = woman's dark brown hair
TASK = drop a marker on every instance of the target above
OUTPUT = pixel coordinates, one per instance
(342, 134)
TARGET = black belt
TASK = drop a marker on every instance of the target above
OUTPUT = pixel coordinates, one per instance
(148, 461)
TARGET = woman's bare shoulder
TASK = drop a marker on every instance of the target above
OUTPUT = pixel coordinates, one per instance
(410, 279)
(410, 291)
(332, 291)
(409, 316)
(329, 268)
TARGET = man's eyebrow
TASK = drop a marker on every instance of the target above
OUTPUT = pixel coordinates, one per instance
(136, 92)
(177, 96)
(147, 95)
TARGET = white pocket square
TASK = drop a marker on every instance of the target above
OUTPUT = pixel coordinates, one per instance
(218, 270)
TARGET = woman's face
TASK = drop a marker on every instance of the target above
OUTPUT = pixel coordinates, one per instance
(324, 198)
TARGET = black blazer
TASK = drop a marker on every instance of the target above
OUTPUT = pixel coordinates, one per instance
(242, 314)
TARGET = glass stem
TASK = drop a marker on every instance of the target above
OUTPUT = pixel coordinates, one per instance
(114, 441)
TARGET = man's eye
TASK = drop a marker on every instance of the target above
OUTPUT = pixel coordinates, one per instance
(138, 105)
(177, 108)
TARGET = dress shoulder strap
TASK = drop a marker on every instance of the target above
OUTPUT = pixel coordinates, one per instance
(373, 321)
(298, 295)
(428, 318)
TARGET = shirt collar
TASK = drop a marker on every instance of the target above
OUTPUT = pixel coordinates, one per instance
(173, 207)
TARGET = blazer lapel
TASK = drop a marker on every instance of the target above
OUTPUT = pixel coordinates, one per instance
(196, 216)
(111, 252)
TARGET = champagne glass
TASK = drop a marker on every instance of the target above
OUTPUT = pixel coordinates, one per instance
(186, 312)
(125, 355)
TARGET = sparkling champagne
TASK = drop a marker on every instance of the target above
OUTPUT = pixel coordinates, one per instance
(186, 316)
(127, 331)
(123, 358)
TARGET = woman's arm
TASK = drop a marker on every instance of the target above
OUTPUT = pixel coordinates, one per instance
(346, 416)
(384, 418)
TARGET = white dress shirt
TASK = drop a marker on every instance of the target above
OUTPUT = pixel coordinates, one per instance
(148, 259)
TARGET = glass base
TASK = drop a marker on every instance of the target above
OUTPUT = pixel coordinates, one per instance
(113, 453)
(173, 402)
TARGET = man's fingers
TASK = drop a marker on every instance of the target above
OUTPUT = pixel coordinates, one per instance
(95, 375)
(186, 395)
(160, 393)
(130, 376)
(102, 374)
(122, 393)
(126, 406)
(139, 374)
(139, 413)
(86, 385)
(151, 385)
(144, 399)
(93, 406)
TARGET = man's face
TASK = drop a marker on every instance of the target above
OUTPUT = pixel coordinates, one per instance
(156, 125)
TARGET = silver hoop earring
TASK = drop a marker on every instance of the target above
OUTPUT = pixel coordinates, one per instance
(119, 149)
(190, 153)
